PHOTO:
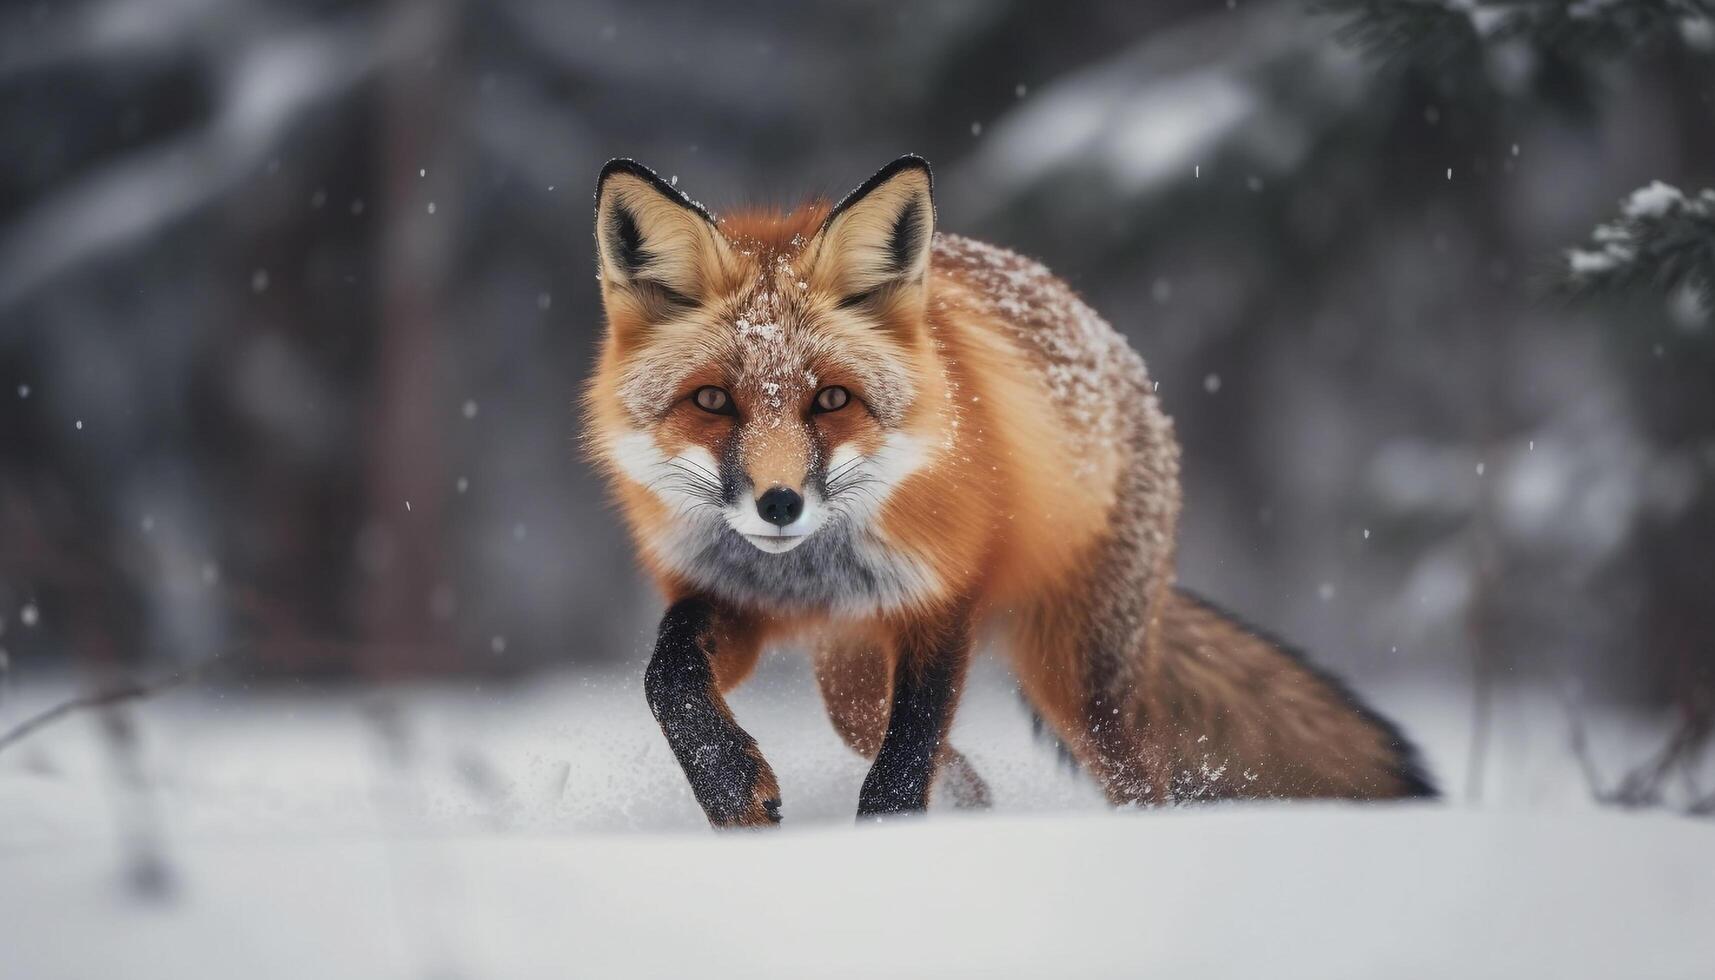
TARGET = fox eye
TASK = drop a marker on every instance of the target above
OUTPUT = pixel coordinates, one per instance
(712, 399)
(832, 399)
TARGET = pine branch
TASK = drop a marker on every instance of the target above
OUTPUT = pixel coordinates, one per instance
(1662, 240)
(1428, 33)
(1437, 34)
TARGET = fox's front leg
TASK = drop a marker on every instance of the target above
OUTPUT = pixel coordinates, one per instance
(926, 684)
(702, 649)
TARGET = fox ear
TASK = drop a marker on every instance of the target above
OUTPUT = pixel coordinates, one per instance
(879, 235)
(654, 245)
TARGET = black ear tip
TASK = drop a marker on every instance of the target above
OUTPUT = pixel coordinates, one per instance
(625, 165)
(631, 168)
(909, 161)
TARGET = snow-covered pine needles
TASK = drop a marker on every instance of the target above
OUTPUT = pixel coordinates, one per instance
(1441, 33)
(1663, 239)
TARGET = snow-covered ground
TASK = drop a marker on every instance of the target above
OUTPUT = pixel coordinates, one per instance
(544, 830)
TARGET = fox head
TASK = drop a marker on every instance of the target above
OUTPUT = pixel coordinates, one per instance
(759, 374)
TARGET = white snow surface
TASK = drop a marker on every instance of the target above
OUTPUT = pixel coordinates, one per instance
(544, 831)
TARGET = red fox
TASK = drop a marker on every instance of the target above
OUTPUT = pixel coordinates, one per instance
(836, 424)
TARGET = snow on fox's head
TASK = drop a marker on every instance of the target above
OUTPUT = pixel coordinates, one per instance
(757, 377)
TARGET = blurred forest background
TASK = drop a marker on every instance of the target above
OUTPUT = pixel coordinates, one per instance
(296, 300)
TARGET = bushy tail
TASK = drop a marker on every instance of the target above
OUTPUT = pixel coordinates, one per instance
(1233, 712)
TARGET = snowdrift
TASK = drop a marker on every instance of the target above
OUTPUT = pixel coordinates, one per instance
(544, 831)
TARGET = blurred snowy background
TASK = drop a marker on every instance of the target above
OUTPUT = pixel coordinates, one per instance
(270, 271)
(296, 300)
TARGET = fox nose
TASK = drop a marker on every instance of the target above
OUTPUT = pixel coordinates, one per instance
(780, 506)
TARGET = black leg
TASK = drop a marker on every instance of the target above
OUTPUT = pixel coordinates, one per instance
(925, 692)
(727, 773)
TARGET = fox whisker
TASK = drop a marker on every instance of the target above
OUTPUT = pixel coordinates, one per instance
(694, 471)
(844, 468)
(857, 482)
(691, 466)
(688, 488)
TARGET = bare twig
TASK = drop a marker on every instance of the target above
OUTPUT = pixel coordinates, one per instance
(119, 694)
(1580, 738)
(1480, 617)
(1643, 785)
(148, 873)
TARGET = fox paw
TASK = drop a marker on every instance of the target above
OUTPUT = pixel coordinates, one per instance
(759, 812)
(748, 796)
